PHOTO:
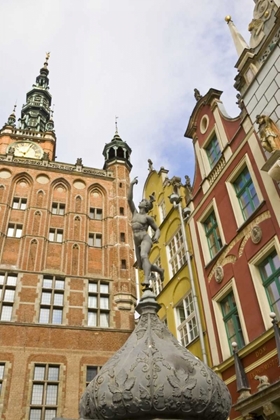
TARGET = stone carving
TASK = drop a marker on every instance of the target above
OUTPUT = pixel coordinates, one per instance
(197, 94)
(240, 102)
(150, 169)
(143, 242)
(219, 274)
(153, 376)
(269, 133)
(256, 234)
(79, 161)
(263, 382)
(262, 13)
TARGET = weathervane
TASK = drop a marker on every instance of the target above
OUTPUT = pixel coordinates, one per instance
(116, 124)
(48, 55)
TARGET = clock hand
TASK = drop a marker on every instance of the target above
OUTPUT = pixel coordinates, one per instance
(27, 149)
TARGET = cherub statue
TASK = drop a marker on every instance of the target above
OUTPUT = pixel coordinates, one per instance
(142, 240)
(269, 133)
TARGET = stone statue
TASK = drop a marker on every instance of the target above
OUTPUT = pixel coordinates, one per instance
(143, 242)
(197, 94)
(150, 169)
(79, 161)
(269, 133)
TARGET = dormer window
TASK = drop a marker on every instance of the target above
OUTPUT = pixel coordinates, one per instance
(213, 151)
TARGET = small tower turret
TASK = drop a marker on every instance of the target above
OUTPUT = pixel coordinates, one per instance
(35, 114)
(117, 151)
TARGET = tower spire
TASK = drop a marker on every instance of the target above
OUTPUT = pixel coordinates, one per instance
(35, 114)
(238, 40)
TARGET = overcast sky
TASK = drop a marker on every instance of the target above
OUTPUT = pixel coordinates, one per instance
(137, 59)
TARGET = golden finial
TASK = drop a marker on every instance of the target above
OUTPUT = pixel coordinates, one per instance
(116, 124)
(266, 13)
(48, 55)
(228, 18)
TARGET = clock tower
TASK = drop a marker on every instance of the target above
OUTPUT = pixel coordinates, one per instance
(34, 138)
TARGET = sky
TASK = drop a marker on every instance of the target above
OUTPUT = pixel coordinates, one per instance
(139, 60)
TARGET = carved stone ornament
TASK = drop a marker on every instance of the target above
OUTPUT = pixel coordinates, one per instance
(153, 376)
(262, 12)
(219, 274)
(256, 234)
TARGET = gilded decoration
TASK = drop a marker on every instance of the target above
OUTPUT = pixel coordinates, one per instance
(262, 13)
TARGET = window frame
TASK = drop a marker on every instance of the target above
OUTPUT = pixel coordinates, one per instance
(87, 379)
(96, 294)
(16, 230)
(4, 288)
(233, 316)
(58, 208)
(55, 235)
(95, 213)
(22, 203)
(219, 322)
(245, 162)
(202, 234)
(94, 238)
(213, 145)
(45, 384)
(53, 305)
(186, 327)
(254, 263)
(177, 256)
(212, 233)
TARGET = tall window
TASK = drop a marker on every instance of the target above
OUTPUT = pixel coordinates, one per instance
(177, 255)
(19, 203)
(213, 151)
(162, 210)
(157, 284)
(8, 284)
(14, 230)
(212, 234)
(95, 239)
(58, 208)
(231, 321)
(55, 235)
(98, 304)
(186, 320)
(95, 213)
(91, 373)
(2, 371)
(51, 300)
(246, 193)
(44, 398)
(270, 273)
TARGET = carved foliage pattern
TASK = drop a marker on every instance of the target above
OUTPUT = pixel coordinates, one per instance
(152, 373)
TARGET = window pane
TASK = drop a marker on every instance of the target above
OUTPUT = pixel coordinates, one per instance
(10, 231)
(47, 283)
(2, 277)
(104, 302)
(6, 314)
(39, 373)
(2, 371)
(37, 394)
(53, 373)
(46, 298)
(9, 295)
(44, 316)
(51, 397)
(35, 414)
(59, 236)
(59, 284)
(57, 316)
(92, 319)
(98, 241)
(92, 301)
(50, 414)
(58, 299)
(104, 320)
(18, 232)
(92, 287)
(11, 280)
(104, 288)
(91, 373)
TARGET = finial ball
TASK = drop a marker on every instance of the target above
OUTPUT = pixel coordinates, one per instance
(228, 18)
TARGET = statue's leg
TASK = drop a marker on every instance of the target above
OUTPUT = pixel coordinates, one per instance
(146, 265)
(272, 143)
(158, 270)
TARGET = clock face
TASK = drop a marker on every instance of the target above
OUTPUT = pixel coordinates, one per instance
(27, 149)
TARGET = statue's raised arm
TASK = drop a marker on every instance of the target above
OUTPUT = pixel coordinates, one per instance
(140, 223)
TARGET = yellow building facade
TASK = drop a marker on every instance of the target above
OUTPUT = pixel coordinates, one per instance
(178, 295)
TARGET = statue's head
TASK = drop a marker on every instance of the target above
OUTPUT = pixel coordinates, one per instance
(145, 204)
